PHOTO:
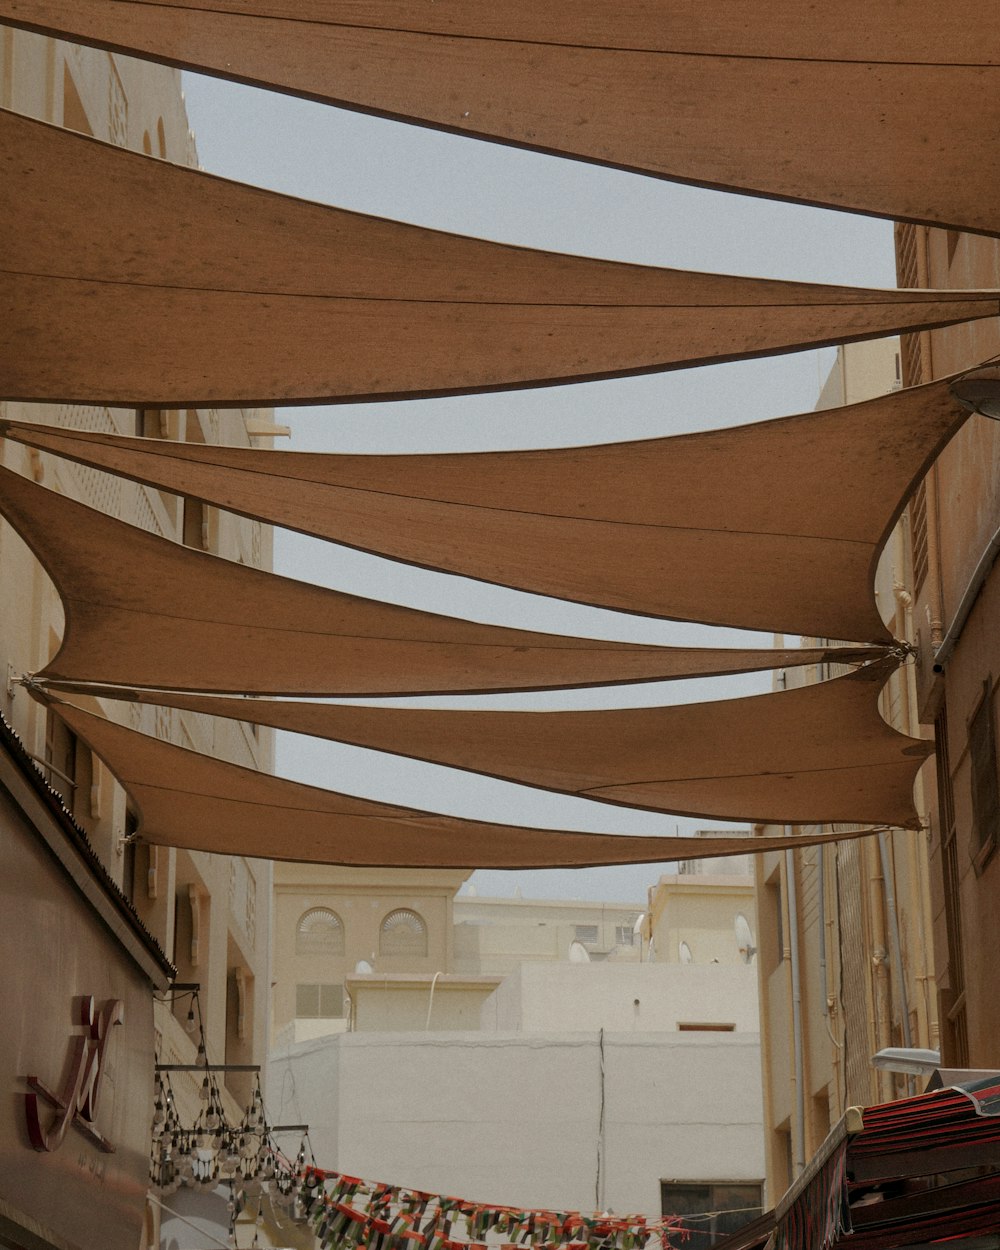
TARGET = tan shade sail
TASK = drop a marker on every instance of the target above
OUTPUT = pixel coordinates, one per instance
(774, 526)
(865, 105)
(144, 611)
(182, 289)
(191, 800)
(820, 754)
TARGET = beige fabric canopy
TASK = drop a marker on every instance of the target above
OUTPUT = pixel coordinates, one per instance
(191, 800)
(676, 527)
(183, 289)
(864, 105)
(144, 611)
(821, 754)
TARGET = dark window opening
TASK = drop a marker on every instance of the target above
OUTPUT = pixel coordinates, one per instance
(985, 787)
(710, 1210)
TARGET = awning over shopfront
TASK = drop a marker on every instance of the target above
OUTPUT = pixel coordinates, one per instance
(949, 1129)
(821, 754)
(187, 799)
(916, 1172)
(854, 108)
(186, 290)
(675, 527)
(143, 611)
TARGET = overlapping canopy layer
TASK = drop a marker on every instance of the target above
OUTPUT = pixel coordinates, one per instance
(191, 800)
(144, 611)
(867, 109)
(676, 527)
(821, 754)
(182, 289)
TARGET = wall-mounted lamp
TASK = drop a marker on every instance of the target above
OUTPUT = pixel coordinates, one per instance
(912, 1060)
(979, 391)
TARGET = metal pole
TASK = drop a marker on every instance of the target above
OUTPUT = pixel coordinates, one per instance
(799, 1145)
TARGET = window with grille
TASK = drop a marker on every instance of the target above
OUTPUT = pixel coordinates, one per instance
(918, 536)
(911, 271)
(403, 932)
(624, 935)
(586, 932)
(710, 1210)
(319, 1002)
(320, 932)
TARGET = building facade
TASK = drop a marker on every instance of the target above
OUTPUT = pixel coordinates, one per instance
(110, 924)
(331, 924)
(953, 523)
(845, 961)
(705, 913)
(340, 932)
(586, 1081)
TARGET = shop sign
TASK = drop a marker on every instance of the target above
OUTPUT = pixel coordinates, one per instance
(76, 1103)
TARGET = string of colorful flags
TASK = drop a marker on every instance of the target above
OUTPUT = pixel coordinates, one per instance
(349, 1212)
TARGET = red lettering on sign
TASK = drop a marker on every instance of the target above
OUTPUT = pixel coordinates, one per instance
(77, 1102)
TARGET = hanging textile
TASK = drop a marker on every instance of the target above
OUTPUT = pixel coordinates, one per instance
(947, 1121)
(141, 610)
(820, 754)
(676, 527)
(185, 290)
(191, 800)
(937, 1137)
(854, 108)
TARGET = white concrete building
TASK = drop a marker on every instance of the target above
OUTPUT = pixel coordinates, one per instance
(638, 998)
(602, 1085)
(579, 1120)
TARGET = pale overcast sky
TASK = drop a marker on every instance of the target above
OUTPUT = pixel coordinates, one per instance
(414, 174)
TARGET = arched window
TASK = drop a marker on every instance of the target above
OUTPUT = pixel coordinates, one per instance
(320, 932)
(403, 932)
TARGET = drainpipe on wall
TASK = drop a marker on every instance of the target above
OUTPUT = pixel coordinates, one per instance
(935, 597)
(895, 948)
(828, 999)
(799, 1137)
(880, 973)
(932, 493)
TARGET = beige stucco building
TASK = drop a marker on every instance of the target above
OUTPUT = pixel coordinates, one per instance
(332, 923)
(705, 913)
(209, 916)
(846, 966)
(360, 949)
(397, 950)
(953, 524)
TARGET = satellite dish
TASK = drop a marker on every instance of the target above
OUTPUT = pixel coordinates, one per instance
(684, 951)
(578, 953)
(362, 967)
(744, 938)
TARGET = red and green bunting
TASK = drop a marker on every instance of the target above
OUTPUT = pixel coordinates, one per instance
(349, 1212)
